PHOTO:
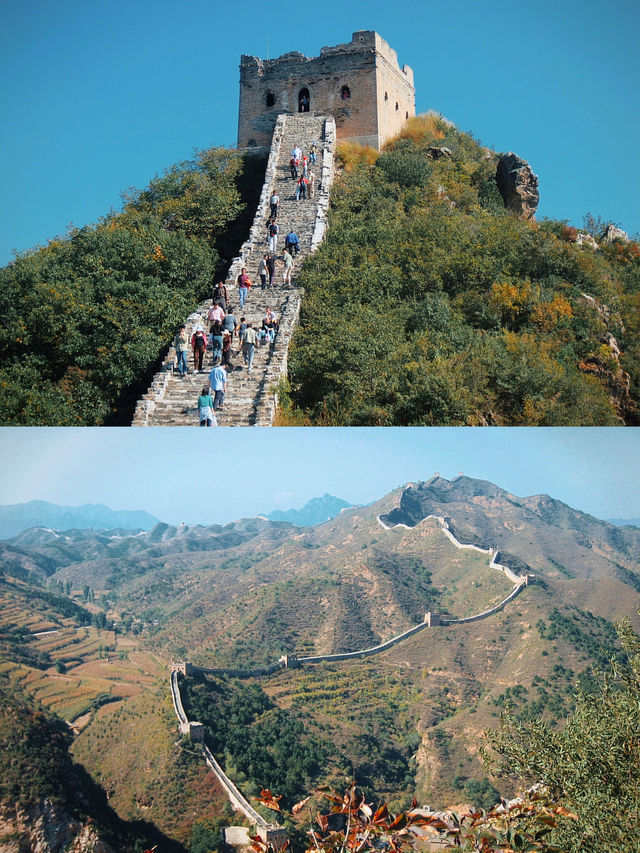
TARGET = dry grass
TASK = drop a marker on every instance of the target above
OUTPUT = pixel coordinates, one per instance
(352, 156)
(428, 127)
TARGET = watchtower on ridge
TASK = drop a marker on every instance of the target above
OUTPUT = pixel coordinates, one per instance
(359, 83)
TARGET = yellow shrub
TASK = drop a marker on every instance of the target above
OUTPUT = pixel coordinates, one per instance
(352, 156)
(424, 128)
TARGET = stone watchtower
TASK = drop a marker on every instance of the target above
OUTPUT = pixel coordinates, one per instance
(360, 84)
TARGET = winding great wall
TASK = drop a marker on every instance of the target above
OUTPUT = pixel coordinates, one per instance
(272, 833)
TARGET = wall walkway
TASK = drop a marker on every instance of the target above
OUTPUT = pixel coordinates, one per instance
(236, 798)
(251, 399)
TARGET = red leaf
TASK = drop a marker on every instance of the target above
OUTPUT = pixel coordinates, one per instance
(399, 823)
(381, 814)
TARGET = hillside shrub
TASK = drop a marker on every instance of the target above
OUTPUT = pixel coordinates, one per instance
(429, 303)
(85, 319)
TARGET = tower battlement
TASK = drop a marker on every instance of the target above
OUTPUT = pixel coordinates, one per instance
(359, 83)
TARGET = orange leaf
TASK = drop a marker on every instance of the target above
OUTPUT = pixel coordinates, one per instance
(300, 805)
(399, 823)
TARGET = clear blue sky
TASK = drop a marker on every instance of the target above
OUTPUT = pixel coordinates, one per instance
(101, 95)
(213, 476)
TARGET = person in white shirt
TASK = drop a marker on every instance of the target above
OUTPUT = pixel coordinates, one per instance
(274, 201)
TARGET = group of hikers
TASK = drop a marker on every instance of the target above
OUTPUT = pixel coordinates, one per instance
(224, 328)
(223, 325)
(300, 173)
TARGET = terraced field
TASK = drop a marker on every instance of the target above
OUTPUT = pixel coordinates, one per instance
(69, 669)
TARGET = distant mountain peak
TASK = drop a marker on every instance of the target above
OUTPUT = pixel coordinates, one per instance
(315, 511)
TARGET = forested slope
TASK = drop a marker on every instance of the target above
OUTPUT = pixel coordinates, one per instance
(430, 303)
(85, 318)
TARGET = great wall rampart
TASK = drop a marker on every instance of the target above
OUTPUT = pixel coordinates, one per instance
(292, 661)
(251, 396)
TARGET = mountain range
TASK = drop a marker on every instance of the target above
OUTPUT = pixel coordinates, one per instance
(409, 720)
(17, 517)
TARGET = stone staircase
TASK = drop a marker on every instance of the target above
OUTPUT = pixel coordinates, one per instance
(171, 399)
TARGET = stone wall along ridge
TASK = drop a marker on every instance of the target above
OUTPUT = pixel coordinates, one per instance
(176, 698)
(519, 581)
(493, 552)
(236, 798)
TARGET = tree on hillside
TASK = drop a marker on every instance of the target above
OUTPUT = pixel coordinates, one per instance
(592, 766)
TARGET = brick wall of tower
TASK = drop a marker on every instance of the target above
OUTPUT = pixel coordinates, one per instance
(366, 65)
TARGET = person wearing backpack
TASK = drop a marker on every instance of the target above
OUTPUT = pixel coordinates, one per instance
(216, 339)
(199, 344)
(218, 383)
(220, 296)
(249, 340)
(292, 243)
(301, 192)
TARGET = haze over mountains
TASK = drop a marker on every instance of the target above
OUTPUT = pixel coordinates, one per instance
(17, 517)
(14, 518)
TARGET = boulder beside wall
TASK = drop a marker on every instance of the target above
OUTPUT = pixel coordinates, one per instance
(518, 185)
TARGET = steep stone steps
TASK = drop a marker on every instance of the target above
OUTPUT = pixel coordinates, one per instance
(172, 400)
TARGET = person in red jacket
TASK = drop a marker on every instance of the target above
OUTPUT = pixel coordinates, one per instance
(244, 283)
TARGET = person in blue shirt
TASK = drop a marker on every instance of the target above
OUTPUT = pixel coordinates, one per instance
(291, 242)
(218, 383)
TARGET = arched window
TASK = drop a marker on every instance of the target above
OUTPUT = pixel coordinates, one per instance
(345, 93)
(304, 101)
(252, 144)
(397, 107)
(386, 96)
(271, 99)
(406, 115)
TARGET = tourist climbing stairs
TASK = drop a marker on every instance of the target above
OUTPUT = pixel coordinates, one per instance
(250, 400)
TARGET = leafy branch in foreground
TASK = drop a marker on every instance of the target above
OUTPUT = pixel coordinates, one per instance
(352, 824)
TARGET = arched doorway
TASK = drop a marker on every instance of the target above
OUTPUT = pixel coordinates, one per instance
(304, 100)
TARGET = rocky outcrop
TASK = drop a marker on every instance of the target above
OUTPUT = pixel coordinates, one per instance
(584, 239)
(518, 185)
(46, 827)
(612, 233)
(616, 381)
(434, 153)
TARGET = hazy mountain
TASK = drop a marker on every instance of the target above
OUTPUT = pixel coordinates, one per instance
(625, 522)
(95, 555)
(313, 512)
(17, 517)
